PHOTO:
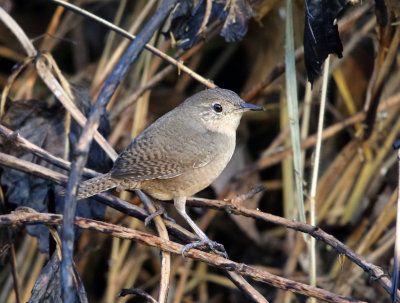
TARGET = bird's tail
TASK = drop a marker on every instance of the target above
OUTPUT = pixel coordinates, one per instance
(96, 185)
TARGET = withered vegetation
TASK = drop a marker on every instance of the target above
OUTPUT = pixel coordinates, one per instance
(54, 65)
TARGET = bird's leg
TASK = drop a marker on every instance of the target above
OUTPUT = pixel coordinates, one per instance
(180, 204)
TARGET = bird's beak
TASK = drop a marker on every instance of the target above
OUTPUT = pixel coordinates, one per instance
(247, 106)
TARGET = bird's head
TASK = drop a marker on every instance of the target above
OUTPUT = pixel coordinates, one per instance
(218, 109)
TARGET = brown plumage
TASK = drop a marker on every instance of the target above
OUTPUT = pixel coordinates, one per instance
(180, 153)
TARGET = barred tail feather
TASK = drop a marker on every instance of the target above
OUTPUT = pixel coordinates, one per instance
(96, 185)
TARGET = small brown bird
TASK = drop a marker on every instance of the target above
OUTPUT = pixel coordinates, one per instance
(180, 154)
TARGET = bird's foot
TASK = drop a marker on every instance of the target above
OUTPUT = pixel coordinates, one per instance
(158, 212)
(213, 246)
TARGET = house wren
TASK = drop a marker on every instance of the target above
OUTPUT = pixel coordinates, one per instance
(180, 154)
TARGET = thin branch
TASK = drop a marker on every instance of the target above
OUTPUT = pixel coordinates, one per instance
(121, 205)
(165, 256)
(80, 287)
(82, 147)
(314, 179)
(274, 158)
(374, 271)
(276, 72)
(19, 217)
(112, 201)
(246, 288)
(396, 261)
(124, 104)
(239, 199)
(13, 264)
(133, 291)
(344, 24)
(206, 17)
(19, 141)
(44, 71)
(154, 50)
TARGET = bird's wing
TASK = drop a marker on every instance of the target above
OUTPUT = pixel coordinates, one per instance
(146, 159)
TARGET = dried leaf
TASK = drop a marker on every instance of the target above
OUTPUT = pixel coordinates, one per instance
(186, 21)
(321, 35)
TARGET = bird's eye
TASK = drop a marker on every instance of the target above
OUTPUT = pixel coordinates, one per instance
(217, 107)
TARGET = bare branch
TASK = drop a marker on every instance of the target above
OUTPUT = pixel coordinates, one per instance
(374, 271)
(22, 218)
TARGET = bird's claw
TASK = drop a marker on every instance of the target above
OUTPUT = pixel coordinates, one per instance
(150, 217)
(213, 246)
(160, 211)
(165, 215)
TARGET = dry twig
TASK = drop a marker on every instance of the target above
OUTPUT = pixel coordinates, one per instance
(17, 218)
(374, 271)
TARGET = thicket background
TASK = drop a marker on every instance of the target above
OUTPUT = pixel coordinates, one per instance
(356, 194)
